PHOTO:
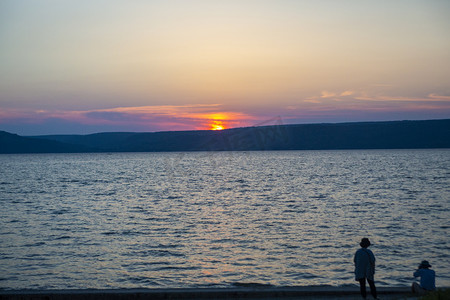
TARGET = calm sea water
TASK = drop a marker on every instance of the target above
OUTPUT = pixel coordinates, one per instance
(218, 219)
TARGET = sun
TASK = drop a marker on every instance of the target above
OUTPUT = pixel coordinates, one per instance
(217, 125)
(218, 121)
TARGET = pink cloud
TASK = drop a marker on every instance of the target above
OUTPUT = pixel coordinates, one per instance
(347, 93)
(326, 94)
(167, 117)
(439, 97)
(345, 104)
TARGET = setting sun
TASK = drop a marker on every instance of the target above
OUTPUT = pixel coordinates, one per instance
(216, 121)
(217, 125)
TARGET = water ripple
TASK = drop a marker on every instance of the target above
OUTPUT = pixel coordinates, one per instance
(220, 219)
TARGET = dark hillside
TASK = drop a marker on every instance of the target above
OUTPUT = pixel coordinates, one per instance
(366, 135)
(13, 143)
(373, 135)
(107, 141)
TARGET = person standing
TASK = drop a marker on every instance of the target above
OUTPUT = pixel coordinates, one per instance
(427, 279)
(364, 261)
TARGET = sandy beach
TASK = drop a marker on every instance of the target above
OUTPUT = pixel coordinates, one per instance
(210, 293)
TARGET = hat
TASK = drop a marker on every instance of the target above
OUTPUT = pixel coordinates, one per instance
(425, 264)
(365, 243)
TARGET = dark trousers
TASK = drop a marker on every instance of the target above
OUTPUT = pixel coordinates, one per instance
(362, 285)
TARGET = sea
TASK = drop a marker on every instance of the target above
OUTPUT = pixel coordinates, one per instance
(221, 219)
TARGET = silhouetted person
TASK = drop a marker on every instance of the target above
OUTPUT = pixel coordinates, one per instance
(365, 268)
(427, 278)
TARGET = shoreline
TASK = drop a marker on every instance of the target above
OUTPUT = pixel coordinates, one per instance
(305, 292)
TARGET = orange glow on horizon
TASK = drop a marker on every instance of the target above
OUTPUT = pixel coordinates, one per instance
(217, 120)
(217, 125)
(151, 118)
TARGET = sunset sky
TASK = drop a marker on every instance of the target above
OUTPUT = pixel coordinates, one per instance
(79, 67)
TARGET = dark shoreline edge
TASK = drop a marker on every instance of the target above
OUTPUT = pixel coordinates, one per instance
(306, 292)
(427, 134)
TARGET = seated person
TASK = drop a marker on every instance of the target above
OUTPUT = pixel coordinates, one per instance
(427, 278)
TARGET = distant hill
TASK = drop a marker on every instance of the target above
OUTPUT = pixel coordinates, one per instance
(13, 143)
(363, 135)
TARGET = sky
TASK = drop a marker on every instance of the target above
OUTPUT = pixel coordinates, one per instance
(80, 67)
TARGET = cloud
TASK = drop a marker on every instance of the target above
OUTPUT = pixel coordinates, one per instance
(109, 116)
(149, 118)
(326, 94)
(439, 97)
(353, 104)
(184, 116)
(373, 102)
(313, 100)
(375, 92)
(387, 98)
(347, 93)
